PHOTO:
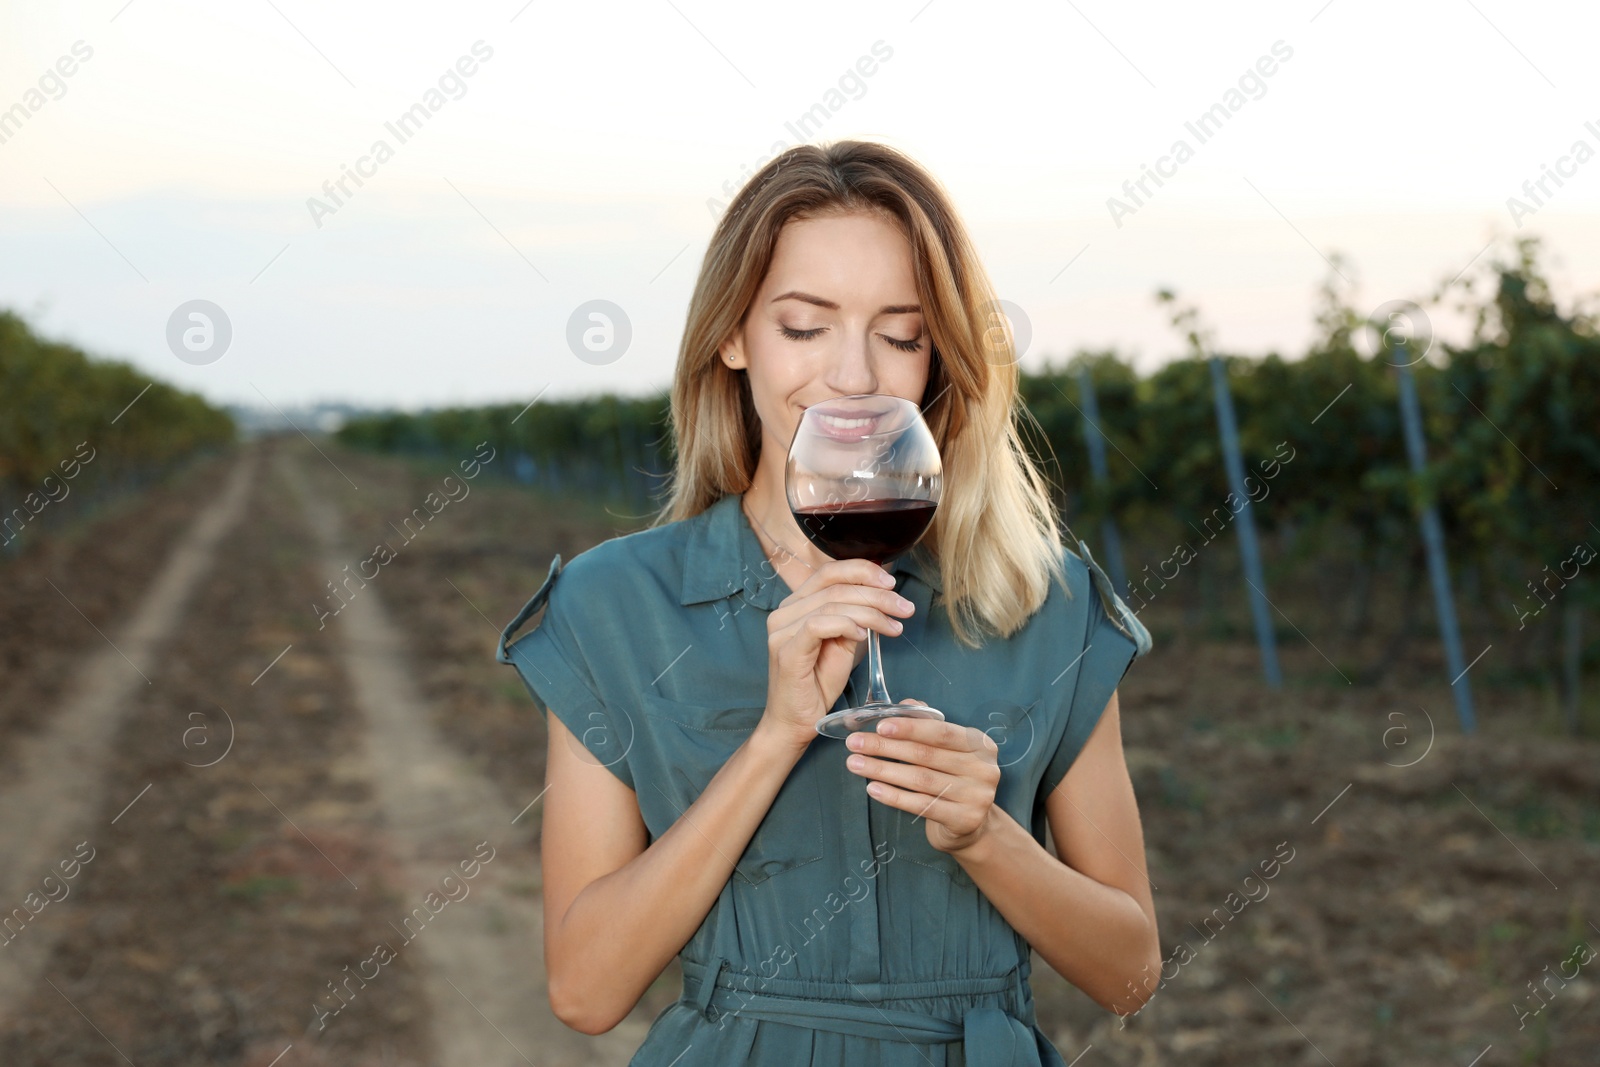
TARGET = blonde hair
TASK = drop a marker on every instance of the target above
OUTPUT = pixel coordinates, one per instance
(996, 534)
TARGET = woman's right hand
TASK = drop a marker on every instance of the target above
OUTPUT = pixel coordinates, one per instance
(813, 638)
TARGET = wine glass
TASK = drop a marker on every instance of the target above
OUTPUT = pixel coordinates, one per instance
(863, 479)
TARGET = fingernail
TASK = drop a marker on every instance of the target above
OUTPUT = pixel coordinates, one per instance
(887, 726)
(856, 762)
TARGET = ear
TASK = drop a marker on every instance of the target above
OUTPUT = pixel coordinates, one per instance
(732, 351)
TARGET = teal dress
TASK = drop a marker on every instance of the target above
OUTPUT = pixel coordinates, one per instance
(842, 936)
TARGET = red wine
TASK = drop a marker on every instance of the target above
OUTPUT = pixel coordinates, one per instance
(866, 529)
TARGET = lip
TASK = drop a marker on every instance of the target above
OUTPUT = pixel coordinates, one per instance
(846, 412)
(867, 422)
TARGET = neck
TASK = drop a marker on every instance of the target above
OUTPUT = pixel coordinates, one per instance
(768, 506)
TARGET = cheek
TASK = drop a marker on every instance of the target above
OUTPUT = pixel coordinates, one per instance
(782, 376)
(910, 379)
(775, 402)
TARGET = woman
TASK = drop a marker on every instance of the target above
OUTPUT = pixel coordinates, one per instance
(869, 902)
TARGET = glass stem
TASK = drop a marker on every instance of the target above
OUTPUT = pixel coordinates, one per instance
(877, 692)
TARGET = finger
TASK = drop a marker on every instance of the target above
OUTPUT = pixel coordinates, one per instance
(938, 808)
(863, 614)
(846, 572)
(804, 639)
(949, 747)
(914, 753)
(910, 777)
(827, 598)
(940, 733)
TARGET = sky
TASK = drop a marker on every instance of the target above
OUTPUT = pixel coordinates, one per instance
(578, 153)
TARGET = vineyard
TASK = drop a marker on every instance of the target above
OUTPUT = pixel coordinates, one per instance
(1510, 422)
(75, 427)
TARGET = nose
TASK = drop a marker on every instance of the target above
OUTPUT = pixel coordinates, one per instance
(853, 370)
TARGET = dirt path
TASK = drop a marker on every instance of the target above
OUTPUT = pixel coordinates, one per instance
(482, 966)
(80, 576)
(241, 869)
(45, 810)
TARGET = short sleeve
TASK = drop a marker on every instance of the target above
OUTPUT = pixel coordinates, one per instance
(552, 667)
(1109, 649)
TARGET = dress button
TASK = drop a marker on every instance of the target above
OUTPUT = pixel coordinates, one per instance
(772, 867)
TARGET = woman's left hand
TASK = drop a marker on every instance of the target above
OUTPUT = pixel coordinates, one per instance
(948, 775)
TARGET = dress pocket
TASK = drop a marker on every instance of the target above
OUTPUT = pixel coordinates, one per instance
(695, 740)
(910, 838)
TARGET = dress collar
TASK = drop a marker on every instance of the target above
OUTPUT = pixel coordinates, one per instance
(724, 558)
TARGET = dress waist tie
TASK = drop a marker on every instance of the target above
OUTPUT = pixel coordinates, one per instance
(990, 1037)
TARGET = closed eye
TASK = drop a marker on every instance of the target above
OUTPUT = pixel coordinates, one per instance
(913, 345)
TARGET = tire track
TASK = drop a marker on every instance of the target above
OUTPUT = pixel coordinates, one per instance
(480, 960)
(61, 770)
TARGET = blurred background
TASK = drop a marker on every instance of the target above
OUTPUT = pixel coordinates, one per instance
(323, 329)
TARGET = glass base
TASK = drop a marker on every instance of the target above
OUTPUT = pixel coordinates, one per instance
(844, 723)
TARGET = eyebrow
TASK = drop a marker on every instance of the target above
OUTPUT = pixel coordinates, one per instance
(892, 309)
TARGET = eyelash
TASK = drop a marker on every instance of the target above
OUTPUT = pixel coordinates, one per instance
(913, 345)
